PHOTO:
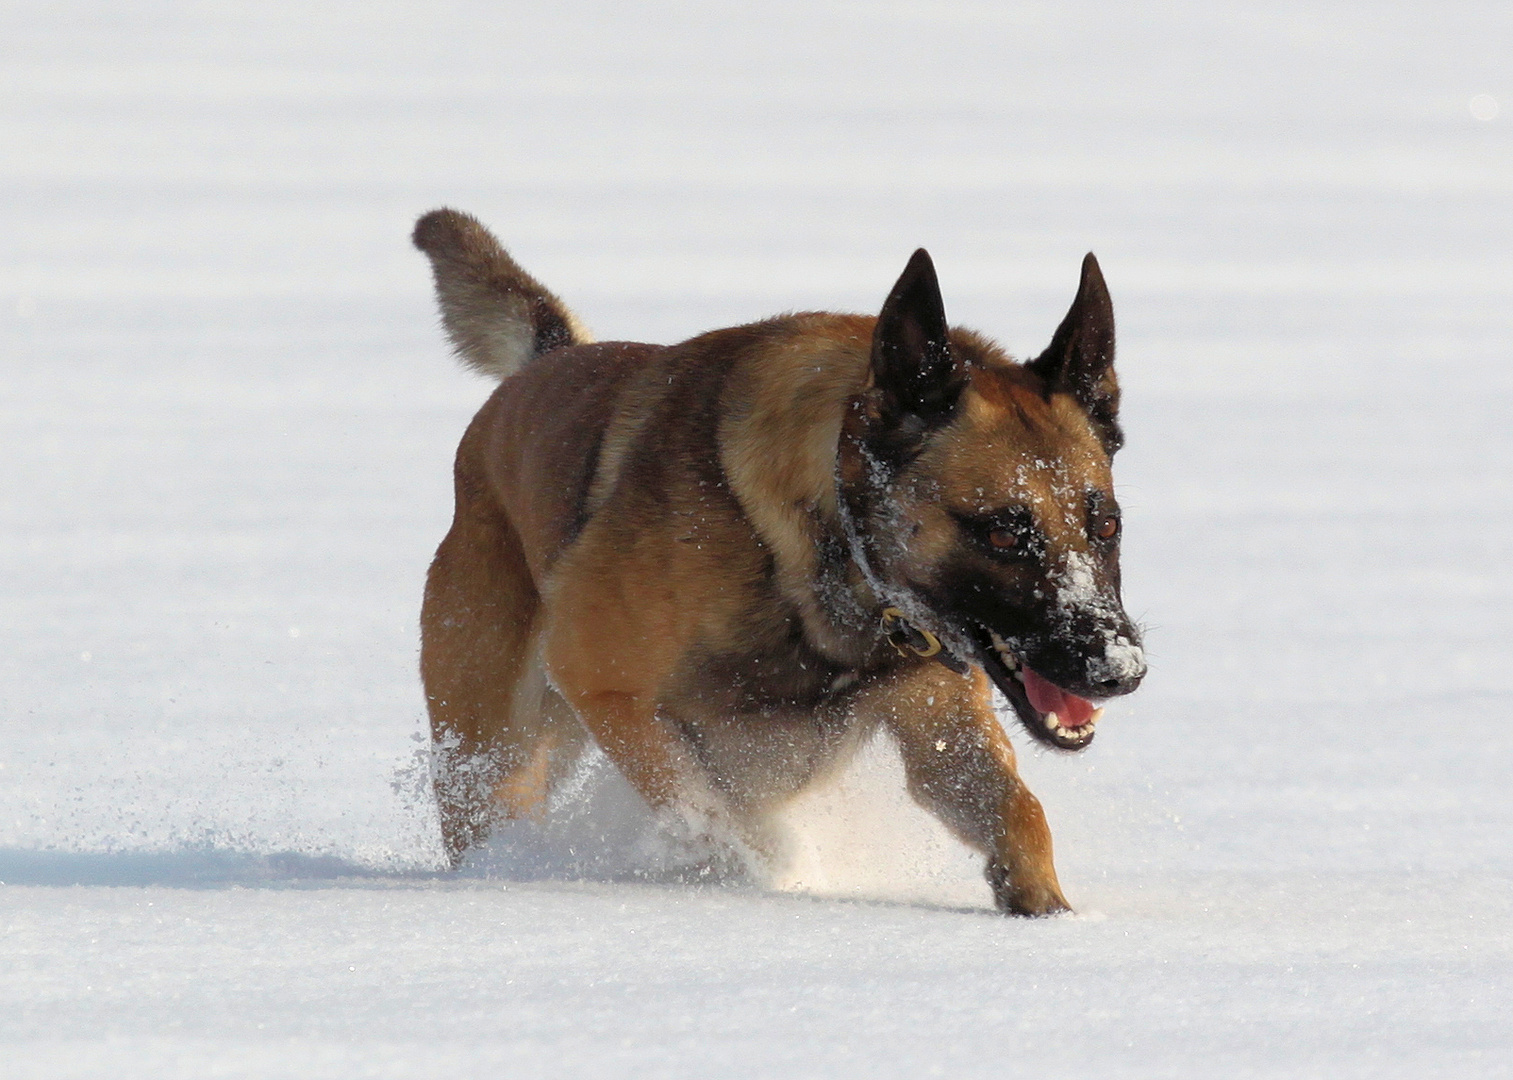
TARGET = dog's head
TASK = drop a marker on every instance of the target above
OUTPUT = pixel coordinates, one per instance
(982, 492)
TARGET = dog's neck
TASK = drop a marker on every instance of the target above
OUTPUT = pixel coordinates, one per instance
(889, 609)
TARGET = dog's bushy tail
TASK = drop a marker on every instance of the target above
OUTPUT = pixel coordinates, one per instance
(496, 314)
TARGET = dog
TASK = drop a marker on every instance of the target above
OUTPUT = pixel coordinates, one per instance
(730, 561)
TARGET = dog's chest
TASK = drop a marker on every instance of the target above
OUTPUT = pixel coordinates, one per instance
(774, 666)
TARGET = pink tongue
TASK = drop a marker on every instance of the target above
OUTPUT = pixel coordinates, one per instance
(1047, 697)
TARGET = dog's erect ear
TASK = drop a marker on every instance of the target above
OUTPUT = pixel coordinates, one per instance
(1080, 359)
(917, 376)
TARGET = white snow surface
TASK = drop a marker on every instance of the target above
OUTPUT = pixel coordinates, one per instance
(228, 417)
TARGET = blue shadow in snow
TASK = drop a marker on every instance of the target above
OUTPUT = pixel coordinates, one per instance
(192, 868)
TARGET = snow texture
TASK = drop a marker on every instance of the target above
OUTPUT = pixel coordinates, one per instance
(228, 416)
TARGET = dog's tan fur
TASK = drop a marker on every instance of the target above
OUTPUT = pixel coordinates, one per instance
(651, 549)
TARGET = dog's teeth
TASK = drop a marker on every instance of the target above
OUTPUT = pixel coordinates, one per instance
(1052, 721)
(1005, 653)
(1019, 675)
(1097, 715)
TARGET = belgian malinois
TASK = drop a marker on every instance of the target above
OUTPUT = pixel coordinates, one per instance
(731, 560)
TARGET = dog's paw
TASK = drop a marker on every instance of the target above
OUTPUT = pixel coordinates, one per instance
(688, 846)
(1032, 899)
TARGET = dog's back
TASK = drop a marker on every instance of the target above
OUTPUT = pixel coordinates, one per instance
(553, 441)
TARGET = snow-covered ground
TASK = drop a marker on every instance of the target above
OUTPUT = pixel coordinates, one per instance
(227, 419)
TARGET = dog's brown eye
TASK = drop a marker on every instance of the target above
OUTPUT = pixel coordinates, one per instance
(1107, 528)
(1003, 539)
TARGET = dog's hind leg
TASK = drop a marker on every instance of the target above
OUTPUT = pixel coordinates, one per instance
(549, 740)
(475, 656)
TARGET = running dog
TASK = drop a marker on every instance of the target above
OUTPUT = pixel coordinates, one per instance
(729, 561)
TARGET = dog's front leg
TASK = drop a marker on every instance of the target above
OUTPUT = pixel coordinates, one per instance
(655, 759)
(960, 766)
(613, 636)
(643, 746)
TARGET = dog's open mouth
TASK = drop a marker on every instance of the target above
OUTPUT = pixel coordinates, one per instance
(1049, 713)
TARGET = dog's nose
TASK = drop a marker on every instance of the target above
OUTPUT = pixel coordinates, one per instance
(1119, 670)
(1115, 687)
